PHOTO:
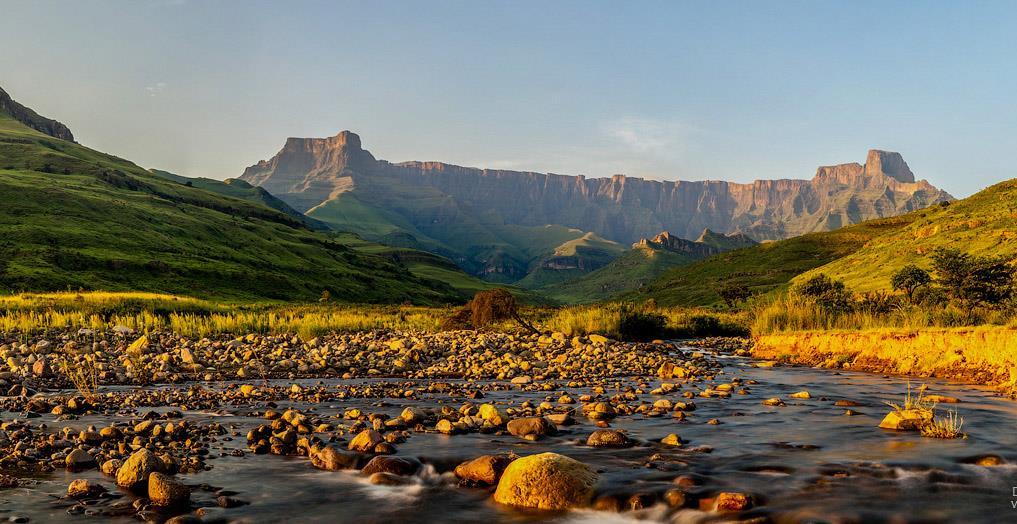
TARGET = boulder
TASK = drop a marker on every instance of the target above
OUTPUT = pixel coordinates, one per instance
(906, 420)
(608, 438)
(164, 490)
(79, 459)
(538, 426)
(333, 459)
(81, 488)
(485, 469)
(403, 466)
(365, 441)
(135, 470)
(546, 481)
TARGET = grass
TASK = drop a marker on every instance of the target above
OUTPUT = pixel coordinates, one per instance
(146, 312)
(763, 268)
(84, 376)
(790, 313)
(982, 224)
(606, 319)
(948, 427)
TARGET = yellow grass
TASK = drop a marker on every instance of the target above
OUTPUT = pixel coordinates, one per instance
(144, 312)
(987, 354)
(604, 319)
(945, 427)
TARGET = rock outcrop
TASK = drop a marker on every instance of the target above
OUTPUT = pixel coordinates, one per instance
(32, 119)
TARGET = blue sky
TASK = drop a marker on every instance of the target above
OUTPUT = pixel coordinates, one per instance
(690, 90)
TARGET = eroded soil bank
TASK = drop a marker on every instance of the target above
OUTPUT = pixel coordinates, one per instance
(985, 355)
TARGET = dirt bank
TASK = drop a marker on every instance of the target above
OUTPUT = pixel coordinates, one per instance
(984, 355)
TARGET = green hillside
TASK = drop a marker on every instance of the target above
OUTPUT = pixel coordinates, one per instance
(76, 218)
(982, 224)
(765, 267)
(237, 188)
(570, 260)
(633, 269)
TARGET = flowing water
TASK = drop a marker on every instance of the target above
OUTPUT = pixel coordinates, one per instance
(804, 462)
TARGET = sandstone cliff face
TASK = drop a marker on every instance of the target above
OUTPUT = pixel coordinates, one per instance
(32, 119)
(310, 172)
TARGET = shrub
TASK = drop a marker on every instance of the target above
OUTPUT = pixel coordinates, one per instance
(486, 308)
(732, 294)
(829, 294)
(641, 325)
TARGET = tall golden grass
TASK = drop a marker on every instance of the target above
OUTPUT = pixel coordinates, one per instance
(143, 312)
(790, 313)
(605, 319)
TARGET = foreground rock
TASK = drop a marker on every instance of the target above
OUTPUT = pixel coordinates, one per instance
(546, 481)
(134, 473)
(907, 419)
(163, 490)
(484, 470)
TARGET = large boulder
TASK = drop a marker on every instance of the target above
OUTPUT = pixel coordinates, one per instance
(485, 469)
(546, 481)
(135, 470)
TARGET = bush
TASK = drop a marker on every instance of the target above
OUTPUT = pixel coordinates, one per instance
(829, 294)
(974, 280)
(732, 294)
(641, 325)
(486, 308)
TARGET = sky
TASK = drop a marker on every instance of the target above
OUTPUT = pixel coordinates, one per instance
(725, 90)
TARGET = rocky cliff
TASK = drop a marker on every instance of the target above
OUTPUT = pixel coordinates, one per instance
(32, 119)
(336, 180)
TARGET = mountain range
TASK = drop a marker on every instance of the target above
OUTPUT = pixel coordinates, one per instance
(502, 225)
(324, 214)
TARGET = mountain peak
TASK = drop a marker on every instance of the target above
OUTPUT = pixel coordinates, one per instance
(888, 163)
(32, 119)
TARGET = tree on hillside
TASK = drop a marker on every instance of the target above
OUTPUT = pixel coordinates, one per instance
(829, 294)
(734, 293)
(972, 279)
(909, 278)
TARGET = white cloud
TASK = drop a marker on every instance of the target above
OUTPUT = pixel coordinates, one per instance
(155, 89)
(648, 136)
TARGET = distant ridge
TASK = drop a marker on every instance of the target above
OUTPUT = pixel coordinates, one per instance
(32, 119)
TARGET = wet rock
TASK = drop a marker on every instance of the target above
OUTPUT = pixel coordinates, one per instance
(672, 440)
(546, 481)
(163, 490)
(942, 399)
(395, 465)
(485, 469)
(801, 395)
(906, 420)
(135, 471)
(675, 498)
(81, 488)
(79, 459)
(388, 479)
(608, 438)
(729, 501)
(225, 501)
(537, 426)
(110, 467)
(332, 459)
(773, 402)
(366, 441)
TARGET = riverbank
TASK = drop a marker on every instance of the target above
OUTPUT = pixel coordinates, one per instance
(985, 355)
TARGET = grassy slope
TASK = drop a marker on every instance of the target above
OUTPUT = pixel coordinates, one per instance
(629, 271)
(74, 217)
(983, 224)
(235, 188)
(765, 267)
(590, 249)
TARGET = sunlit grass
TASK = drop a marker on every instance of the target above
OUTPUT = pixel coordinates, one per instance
(605, 319)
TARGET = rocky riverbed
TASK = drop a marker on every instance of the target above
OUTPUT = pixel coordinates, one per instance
(469, 427)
